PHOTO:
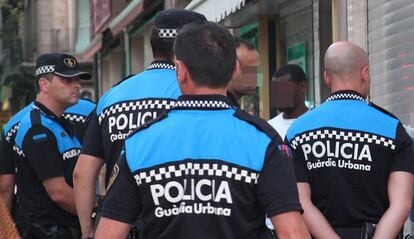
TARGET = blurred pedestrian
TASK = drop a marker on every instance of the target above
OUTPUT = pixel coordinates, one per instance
(127, 106)
(245, 81)
(354, 163)
(291, 81)
(204, 169)
(47, 149)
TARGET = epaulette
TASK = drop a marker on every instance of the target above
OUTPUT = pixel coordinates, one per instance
(124, 79)
(382, 110)
(160, 117)
(35, 117)
(257, 122)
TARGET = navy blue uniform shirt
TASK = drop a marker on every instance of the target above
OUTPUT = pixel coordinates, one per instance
(345, 149)
(206, 168)
(125, 107)
(47, 147)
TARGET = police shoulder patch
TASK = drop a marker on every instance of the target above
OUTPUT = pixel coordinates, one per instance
(285, 150)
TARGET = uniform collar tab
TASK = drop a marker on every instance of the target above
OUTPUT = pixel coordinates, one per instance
(44, 110)
(345, 95)
(208, 102)
(48, 113)
(161, 65)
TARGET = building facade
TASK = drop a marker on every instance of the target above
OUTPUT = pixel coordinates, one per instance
(284, 31)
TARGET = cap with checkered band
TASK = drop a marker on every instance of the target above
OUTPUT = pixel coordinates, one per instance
(168, 22)
(60, 64)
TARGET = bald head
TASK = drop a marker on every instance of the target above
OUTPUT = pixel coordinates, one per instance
(346, 68)
(345, 59)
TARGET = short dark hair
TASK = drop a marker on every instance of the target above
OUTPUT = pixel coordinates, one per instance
(208, 51)
(296, 73)
(161, 47)
(36, 87)
(238, 41)
(170, 20)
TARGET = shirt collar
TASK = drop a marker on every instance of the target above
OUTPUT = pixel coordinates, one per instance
(233, 99)
(161, 65)
(203, 102)
(48, 113)
(345, 95)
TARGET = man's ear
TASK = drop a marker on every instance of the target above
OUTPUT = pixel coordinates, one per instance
(181, 71)
(237, 70)
(327, 79)
(364, 73)
(43, 84)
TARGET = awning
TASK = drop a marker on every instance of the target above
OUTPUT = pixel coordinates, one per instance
(215, 10)
(93, 47)
(126, 16)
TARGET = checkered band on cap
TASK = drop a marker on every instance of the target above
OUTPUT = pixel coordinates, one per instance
(167, 33)
(342, 135)
(199, 169)
(45, 69)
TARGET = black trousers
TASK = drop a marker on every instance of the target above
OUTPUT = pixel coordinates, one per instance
(37, 231)
(357, 233)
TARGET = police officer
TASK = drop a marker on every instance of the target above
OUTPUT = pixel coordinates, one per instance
(195, 172)
(353, 161)
(126, 107)
(48, 148)
(78, 115)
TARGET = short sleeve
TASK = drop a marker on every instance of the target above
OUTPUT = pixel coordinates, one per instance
(403, 157)
(41, 150)
(277, 190)
(7, 156)
(299, 163)
(126, 208)
(93, 140)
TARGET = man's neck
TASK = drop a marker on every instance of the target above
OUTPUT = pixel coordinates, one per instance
(205, 91)
(162, 59)
(52, 106)
(296, 113)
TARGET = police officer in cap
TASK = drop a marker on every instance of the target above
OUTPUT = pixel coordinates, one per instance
(77, 114)
(48, 149)
(127, 106)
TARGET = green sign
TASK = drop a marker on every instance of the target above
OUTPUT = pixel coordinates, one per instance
(296, 54)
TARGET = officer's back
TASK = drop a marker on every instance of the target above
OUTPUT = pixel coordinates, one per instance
(353, 160)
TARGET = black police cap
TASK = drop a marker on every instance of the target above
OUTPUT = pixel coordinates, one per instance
(60, 64)
(168, 22)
